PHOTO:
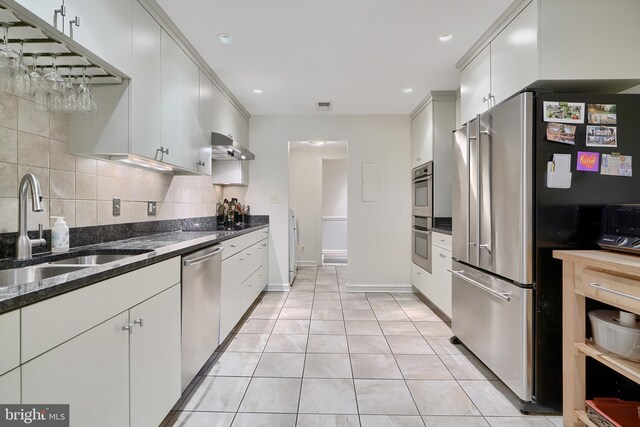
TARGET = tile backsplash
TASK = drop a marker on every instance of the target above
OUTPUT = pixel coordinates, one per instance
(79, 188)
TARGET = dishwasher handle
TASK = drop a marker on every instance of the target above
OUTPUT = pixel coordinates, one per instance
(203, 258)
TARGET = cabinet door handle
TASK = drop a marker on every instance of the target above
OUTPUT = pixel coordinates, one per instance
(248, 254)
(233, 246)
(612, 291)
(241, 259)
(200, 163)
(140, 322)
(264, 244)
(129, 328)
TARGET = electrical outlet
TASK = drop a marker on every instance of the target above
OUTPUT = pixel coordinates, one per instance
(301, 248)
(116, 206)
(151, 209)
(274, 200)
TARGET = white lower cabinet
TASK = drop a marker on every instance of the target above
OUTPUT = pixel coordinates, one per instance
(436, 286)
(89, 372)
(10, 387)
(154, 358)
(122, 371)
(244, 276)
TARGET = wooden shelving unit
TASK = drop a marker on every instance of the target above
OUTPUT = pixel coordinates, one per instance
(613, 279)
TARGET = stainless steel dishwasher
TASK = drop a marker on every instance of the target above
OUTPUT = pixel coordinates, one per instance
(201, 277)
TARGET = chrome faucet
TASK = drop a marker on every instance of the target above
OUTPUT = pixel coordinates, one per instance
(24, 244)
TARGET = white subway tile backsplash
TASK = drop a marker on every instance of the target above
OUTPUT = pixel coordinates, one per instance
(8, 145)
(8, 180)
(31, 120)
(63, 184)
(86, 213)
(79, 188)
(59, 126)
(86, 165)
(59, 157)
(33, 150)
(9, 217)
(86, 187)
(65, 208)
(8, 110)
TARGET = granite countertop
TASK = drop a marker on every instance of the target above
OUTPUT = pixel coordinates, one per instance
(442, 229)
(145, 250)
(442, 225)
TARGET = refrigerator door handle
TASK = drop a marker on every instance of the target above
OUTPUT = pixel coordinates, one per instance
(485, 246)
(479, 188)
(502, 295)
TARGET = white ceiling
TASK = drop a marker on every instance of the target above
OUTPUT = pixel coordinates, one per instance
(359, 54)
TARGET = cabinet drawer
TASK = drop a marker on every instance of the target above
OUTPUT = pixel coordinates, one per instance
(237, 244)
(441, 240)
(10, 339)
(51, 322)
(619, 291)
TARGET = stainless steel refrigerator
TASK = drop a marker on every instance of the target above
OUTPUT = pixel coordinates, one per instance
(507, 288)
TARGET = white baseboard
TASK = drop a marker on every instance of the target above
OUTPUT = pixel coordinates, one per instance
(379, 287)
(306, 263)
(334, 252)
(278, 287)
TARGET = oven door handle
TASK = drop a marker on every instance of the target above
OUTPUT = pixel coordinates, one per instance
(502, 295)
(426, 178)
(417, 231)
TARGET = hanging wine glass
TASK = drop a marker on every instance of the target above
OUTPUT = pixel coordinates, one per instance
(70, 97)
(7, 61)
(39, 87)
(21, 76)
(84, 94)
(56, 86)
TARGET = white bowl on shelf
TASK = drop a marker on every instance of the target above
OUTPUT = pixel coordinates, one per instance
(614, 336)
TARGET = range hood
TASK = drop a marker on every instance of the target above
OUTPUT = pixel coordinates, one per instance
(223, 147)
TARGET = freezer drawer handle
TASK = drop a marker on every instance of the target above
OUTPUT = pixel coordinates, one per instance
(622, 294)
(502, 295)
(190, 262)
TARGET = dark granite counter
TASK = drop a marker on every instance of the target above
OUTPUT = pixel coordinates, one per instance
(144, 250)
(442, 225)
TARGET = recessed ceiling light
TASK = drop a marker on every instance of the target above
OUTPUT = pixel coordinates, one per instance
(445, 37)
(225, 38)
(257, 91)
(407, 90)
(317, 143)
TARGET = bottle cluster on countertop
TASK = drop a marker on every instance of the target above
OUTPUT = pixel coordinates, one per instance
(232, 212)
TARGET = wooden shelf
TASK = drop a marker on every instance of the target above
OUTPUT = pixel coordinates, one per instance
(625, 367)
(582, 415)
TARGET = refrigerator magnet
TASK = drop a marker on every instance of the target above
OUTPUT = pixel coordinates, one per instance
(602, 114)
(602, 136)
(588, 162)
(563, 133)
(616, 164)
(563, 112)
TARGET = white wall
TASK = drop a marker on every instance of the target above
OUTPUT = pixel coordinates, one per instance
(334, 187)
(379, 232)
(306, 195)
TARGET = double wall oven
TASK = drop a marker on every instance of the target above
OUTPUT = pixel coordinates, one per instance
(422, 208)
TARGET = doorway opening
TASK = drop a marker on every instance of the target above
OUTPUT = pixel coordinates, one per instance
(317, 204)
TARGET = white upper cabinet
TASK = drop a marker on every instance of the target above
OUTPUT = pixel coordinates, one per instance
(532, 48)
(45, 10)
(190, 116)
(422, 137)
(171, 70)
(145, 83)
(205, 111)
(104, 29)
(514, 55)
(475, 86)
(227, 120)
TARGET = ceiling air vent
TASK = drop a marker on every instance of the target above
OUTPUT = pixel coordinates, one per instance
(323, 105)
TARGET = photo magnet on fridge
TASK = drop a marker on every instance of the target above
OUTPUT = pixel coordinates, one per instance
(588, 162)
(560, 132)
(602, 114)
(563, 112)
(602, 136)
(616, 164)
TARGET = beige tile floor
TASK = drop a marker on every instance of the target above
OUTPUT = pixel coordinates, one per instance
(319, 356)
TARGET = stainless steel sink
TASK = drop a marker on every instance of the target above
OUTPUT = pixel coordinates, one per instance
(34, 273)
(91, 259)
